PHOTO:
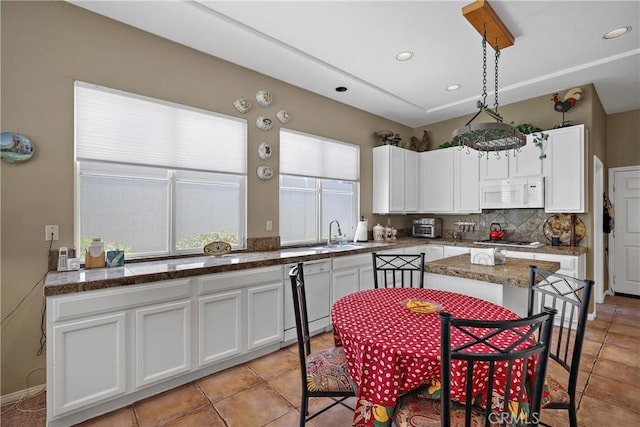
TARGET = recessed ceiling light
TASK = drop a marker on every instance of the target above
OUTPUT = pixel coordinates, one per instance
(453, 87)
(341, 89)
(404, 56)
(616, 32)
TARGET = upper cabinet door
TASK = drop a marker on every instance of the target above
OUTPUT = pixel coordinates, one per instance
(564, 170)
(411, 181)
(494, 166)
(436, 180)
(527, 161)
(395, 180)
(466, 178)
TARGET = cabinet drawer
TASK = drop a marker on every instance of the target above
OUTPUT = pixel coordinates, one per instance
(352, 261)
(120, 298)
(238, 279)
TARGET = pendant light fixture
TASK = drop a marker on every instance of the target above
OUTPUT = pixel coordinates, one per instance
(488, 136)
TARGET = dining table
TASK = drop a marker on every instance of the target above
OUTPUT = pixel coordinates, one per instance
(390, 348)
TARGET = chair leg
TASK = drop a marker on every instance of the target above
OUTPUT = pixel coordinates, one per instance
(304, 407)
(573, 418)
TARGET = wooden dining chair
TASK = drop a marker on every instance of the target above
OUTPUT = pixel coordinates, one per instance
(323, 372)
(570, 296)
(483, 359)
(398, 270)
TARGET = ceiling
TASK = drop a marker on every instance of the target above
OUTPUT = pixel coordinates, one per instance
(321, 45)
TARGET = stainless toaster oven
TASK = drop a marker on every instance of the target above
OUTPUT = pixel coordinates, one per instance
(427, 227)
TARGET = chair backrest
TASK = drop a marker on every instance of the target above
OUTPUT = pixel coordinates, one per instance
(570, 296)
(398, 270)
(496, 350)
(296, 275)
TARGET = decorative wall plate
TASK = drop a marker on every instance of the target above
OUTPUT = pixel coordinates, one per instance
(264, 123)
(283, 116)
(15, 148)
(217, 248)
(242, 105)
(264, 151)
(560, 225)
(264, 98)
(264, 172)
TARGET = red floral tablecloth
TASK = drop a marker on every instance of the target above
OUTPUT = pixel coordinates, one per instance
(390, 349)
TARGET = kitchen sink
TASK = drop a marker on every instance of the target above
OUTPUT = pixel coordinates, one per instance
(331, 248)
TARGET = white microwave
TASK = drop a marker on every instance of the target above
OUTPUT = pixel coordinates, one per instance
(512, 193)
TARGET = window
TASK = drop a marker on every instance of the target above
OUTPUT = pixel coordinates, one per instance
(156, 178)
(319, 182)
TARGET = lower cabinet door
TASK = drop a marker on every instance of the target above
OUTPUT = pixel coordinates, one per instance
(265, 315)
(89, 362)
(343, 283)
(163, 341)
(366, 277)
(219, 326)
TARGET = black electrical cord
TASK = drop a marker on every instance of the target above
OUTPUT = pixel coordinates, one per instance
(5, 318)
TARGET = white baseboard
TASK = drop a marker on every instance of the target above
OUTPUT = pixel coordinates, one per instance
(17, 395)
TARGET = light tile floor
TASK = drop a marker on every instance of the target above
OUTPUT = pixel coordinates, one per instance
(266, 391)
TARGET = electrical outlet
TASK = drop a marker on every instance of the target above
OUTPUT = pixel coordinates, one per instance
(269, 225)
(51, 232)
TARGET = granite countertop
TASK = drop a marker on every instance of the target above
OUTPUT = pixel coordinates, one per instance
(547, 249)
(132, 273)
(514, 272)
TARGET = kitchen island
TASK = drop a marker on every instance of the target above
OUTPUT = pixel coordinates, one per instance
(505, 284)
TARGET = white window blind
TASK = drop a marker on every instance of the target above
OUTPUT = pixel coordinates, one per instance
(312, 156)
(116, 126)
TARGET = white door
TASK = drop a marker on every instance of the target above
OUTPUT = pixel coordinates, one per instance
(626, 250)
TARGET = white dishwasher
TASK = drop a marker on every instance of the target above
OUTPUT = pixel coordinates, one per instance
(317, 285)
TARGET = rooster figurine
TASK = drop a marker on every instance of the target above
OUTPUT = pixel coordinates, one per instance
(569, 100)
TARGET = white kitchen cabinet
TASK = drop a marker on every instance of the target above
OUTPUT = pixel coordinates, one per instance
(112, 347)
(350, 274)
(265, 323)
(344, 282)
(433, 253)
(395, 180)
(449, 181)
(91, 353)
(251, 304)
(220, 326)
(365, 277)
(437, 180)
(163, 341)
(506, 165)
(570, 265)
(564, 170)
(466, 177)
(87, 363)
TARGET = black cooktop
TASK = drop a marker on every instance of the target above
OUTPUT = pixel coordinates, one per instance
(516, 243)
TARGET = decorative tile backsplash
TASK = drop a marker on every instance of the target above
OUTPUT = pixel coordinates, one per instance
(518, 224)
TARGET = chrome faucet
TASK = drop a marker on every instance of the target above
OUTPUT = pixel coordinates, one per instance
(335, 240)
